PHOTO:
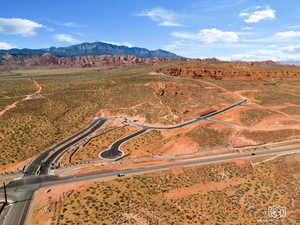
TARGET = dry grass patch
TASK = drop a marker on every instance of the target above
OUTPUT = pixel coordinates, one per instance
(252, 117)
(291, 110)
(146, 144)
(205, 136)
(263, 137)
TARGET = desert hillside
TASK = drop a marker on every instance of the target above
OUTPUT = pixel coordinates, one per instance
(48, 60)
(213, 69)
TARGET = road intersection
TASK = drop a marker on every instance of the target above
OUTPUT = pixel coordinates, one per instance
(21, 191)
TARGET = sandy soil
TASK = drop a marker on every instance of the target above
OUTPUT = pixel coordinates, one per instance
(35, 94)
(181, 145)
(9, 107)
(28, 97)
(177, 171)
(45, 203)
(203, 188)
(240, 162)
(13, 166)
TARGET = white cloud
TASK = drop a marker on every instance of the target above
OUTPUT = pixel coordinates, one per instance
(50, 29)
(70, 24)
(66, 38)
(18, 26)
(5, 45)
(288, 34)
(64, 24)
(291, 48)
(174, 46)
(126, 43)
(258, 15)
(209, 36)
(264, 54)
(169, 24)
(257, 55)
(247, 28)
(294, 26)
(162, 16)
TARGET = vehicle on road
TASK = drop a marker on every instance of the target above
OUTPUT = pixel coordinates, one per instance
(253, 153)
(120, 174)
(53, 166)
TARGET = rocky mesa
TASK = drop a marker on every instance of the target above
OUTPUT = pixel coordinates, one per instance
(213, 69)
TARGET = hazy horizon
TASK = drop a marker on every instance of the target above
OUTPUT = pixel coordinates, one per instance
(225, 29)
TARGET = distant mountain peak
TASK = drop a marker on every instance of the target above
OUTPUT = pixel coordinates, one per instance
(94, 48)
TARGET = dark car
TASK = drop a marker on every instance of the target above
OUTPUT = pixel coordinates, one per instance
(253, 153)
(53, 166)
(120, 174)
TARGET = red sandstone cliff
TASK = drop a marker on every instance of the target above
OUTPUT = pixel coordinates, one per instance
(76, 61)
(218, 70)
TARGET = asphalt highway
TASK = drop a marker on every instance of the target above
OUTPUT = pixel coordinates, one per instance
(21, 191)
(190, 162)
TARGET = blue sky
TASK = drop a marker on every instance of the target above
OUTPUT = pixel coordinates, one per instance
(227, 29)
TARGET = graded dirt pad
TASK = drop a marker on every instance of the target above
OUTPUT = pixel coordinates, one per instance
(165, 142)
(197, 137)
(224, 193)
(181, 145)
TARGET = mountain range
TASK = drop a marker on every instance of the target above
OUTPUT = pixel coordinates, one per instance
(96, 48)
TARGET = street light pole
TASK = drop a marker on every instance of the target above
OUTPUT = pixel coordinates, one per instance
(5, 194)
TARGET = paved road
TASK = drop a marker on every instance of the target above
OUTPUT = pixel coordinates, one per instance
(114, 151)
(16, 213)
(42, 163)
(190, 162)
(23, 189)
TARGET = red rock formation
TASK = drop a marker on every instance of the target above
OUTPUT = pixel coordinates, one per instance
(76, 61)
(217, 70)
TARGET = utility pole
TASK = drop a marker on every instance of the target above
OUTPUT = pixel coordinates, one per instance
(5, 194)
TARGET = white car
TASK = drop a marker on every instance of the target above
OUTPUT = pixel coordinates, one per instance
(120, 174)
